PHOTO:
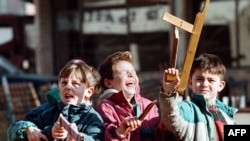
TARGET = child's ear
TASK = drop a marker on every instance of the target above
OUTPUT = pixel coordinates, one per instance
(190, 83)
(222, 85)
(107, 83)
(90, 92)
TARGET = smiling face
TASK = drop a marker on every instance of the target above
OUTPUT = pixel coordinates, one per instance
(206, 84)
(124, 79)
(73, 91)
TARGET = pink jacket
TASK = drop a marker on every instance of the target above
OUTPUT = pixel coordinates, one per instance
(115, 108)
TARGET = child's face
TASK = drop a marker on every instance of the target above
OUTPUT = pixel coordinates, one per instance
(124, 78)
(206, 84)
(73, 91)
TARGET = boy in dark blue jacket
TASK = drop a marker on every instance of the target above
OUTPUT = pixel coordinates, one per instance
(77, 83)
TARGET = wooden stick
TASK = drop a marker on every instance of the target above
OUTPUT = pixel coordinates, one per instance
(195, 30)
(146, 111)
(193, 43)
(178, 22)
(73, 132)
(174, 53)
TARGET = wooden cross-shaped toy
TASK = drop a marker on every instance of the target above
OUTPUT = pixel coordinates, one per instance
(195, 30)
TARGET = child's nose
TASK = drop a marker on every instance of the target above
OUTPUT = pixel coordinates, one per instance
(205, 82)
(68, 86)
(131, 73)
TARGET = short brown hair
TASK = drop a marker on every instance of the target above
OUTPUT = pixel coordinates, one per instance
(84, 72)
(209, 62)
(105, 68)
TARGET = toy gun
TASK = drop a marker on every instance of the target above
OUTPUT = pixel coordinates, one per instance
(195, 30)
(148, 108)
(73, 132)
(146, 111)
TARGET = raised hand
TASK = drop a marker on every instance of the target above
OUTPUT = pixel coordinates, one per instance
(35, 134)
(169, 86)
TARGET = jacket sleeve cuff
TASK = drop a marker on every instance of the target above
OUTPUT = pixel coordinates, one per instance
(169, 94)
(16, 130)
(119, 134)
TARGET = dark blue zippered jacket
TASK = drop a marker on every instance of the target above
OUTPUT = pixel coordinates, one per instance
(88, 121)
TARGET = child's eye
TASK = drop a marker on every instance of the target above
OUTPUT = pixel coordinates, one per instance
(199, 79)
(122, 72)
(76, 84)
(212, 80)
(63, 82)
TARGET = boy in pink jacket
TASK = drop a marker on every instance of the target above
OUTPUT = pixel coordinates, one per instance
(121, 103)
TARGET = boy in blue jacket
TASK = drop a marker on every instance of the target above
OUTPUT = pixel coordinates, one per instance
(202, 118)
(77, 83)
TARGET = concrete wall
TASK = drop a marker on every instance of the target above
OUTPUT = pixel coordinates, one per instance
(243, 118)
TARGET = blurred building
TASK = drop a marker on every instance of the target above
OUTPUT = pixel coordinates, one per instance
(50, 32)
(90, 29)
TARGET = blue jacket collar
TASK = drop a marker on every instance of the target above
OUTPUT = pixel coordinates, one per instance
(199, 100)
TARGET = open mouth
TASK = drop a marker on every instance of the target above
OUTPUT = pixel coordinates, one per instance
(68, 96)
(130, 84)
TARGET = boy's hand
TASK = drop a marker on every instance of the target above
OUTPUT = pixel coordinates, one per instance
(34, 134)
(58, 132)
(169, 86)
(129, 124)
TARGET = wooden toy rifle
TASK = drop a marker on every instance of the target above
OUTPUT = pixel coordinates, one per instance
(195, 31)
(73, 132)
(146, 111)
